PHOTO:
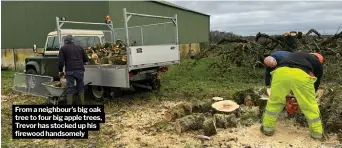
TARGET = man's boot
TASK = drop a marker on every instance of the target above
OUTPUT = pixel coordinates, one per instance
(81, 97)
(69, 99)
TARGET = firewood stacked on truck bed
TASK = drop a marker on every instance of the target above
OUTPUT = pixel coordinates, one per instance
(108, 53)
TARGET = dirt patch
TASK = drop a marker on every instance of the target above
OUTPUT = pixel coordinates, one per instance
(141, 123)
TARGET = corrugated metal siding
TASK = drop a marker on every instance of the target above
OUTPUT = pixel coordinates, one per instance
(27, 23)
(193, 27)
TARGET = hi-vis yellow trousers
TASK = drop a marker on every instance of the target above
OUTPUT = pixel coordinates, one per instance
(284, 80)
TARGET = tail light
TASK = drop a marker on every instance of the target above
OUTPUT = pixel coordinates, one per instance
(163, 69)
(130, 74)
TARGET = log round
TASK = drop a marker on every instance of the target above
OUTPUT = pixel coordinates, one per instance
(190, 122)
(209, 127)
(225, 121)
(178, 111)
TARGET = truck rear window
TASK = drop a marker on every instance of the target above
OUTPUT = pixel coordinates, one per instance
(84, 41)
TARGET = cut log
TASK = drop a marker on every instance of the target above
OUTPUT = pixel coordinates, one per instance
(261, 102)
(189, 122)
(209, 127)
(202, 107)
(248, 101)
(215, 99)
(205, 106)
(226, 106)
(225, 121)
(249, 96)
(249, 114)
(178, 111)
(184, 109)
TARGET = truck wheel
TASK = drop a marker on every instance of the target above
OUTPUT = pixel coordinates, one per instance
(96, 92)
(115, 92)
(31, 71)
(156, 84)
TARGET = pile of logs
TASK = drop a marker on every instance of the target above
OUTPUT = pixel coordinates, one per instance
(246, 108)
(108, 54)
(207, 115)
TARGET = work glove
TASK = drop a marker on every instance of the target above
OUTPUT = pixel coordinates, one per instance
(61, 74)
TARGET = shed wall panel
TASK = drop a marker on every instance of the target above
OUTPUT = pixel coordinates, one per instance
(27, 23)
(193, 27)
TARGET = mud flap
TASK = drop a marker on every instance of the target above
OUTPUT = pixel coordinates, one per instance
(31, 84)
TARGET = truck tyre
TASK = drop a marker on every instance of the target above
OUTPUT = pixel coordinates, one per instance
(97, 92)
(156, 84)
(115, 92)
(31, 71)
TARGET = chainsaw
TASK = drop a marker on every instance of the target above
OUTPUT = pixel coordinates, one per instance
(291, 105)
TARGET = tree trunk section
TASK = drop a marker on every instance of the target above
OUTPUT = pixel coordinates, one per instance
(262, 105)
(189, 122)
(178, 111)
(225, 121)
(202, 106)
(209, 127)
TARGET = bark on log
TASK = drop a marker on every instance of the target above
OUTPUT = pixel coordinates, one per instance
(202, 106)
(209, 127)
(190, 122)
(184, 109)
(178, 111)
(262, 105)
(225, 121)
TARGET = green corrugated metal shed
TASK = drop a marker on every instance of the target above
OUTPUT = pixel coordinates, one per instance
(26, 22)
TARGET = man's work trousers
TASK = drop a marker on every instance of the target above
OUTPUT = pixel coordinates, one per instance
(71, 78)
(284, 80)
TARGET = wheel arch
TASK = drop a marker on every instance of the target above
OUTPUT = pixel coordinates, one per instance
(33, 65)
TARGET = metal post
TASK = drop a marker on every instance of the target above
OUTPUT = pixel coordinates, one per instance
(59, 32)
(146, 15)
(176, 20)
(128, 63)
(111, 26)
(14, 60)
(126, 26)
(142, 35)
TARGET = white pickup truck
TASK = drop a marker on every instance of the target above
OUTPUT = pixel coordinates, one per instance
(144, 61)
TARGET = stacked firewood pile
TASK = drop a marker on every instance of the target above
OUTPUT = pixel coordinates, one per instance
(208, 116)
(107, 54)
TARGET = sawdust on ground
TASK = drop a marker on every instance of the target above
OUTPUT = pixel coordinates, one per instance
(142, 126)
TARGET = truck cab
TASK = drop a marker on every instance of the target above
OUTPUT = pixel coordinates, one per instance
(46, 63)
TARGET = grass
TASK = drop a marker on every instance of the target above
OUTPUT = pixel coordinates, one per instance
(198, 81)
(186, 81)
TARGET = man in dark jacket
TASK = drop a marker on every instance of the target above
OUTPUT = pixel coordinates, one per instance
(73, 57)
(300, 73)
(271, 62)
